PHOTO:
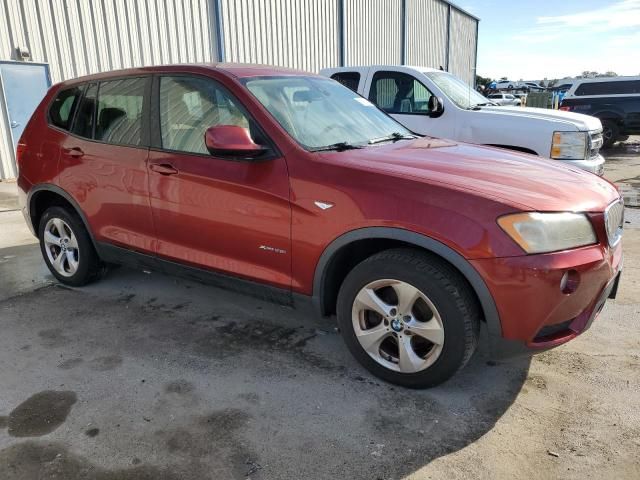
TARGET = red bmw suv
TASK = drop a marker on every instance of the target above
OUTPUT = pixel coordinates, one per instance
(288, 185)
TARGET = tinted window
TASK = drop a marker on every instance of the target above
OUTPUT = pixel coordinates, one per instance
(397, 92)
(609, 88)
(348, 79)
(189, 106)
(83, 124)
(63, 107)
(119, 116)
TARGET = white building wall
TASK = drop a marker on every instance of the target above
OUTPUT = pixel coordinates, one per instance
(462, 49)
(300, 34)
(427, 33)
(372, 32)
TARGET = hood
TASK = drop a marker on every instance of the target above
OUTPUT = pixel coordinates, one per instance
(522, 181)
(576, 120)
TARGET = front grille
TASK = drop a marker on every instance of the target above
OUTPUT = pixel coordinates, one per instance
(595, 143)
(614, 220)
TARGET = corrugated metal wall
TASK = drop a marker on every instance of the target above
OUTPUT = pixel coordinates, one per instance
(427, 33)
(373, 32)
(462, 49)
(78, 37)
(291, 33)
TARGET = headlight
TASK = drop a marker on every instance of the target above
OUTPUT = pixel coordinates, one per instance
(569, 145)
(548, 232)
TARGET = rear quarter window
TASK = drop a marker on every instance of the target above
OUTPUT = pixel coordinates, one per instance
(64, 106)
(348, 79)
(623, 87)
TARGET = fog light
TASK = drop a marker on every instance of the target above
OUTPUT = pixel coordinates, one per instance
(569, 282)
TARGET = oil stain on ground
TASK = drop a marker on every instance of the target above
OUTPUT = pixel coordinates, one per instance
(40, 414)
(31, 460)
(104, 364)
(180, 387)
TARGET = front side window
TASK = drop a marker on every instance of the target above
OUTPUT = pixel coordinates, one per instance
(350, 80)
(191, 105)
(397, 92)
(119, 115)
(318, 112)
(63, 107)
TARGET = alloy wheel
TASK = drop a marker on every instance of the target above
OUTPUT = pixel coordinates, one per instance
(61, 246)
(398, 325)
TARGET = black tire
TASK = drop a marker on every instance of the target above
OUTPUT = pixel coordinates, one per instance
(447, 290)
(89, 266)
(610, 133)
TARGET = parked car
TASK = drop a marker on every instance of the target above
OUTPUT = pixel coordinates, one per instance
(507, 85)
(533, 87)
(463, 114)
(504, 99)
(615, 101)
(289, 186)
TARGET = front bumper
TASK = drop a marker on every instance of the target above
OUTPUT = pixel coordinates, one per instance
(593, 165)
(534, 312)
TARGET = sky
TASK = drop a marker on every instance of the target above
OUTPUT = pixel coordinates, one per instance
(537, 39)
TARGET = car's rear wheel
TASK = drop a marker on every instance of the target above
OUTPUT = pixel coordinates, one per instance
(610, 133)
(409, 317)
(67, 248)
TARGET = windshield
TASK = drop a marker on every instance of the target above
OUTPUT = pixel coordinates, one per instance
(460, 93)
(319, 113)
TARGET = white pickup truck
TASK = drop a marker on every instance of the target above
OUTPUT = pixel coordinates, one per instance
(436, 103)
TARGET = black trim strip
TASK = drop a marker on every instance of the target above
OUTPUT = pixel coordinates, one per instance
(113, 254)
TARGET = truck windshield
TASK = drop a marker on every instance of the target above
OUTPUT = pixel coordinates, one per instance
(321, 114)
(456, 90)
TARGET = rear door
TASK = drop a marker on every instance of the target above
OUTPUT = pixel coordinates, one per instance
(103, 162)
(229, 215)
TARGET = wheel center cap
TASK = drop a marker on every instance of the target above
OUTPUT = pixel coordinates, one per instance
(396, 325)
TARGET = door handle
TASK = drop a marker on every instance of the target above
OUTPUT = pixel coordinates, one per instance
(75, 152)
(15, 124)
(163, 168)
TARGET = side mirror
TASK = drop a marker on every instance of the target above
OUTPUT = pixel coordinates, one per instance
(231, 141)
(436, 106)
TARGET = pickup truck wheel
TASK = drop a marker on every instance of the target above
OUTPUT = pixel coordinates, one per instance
(610, 133)
(408, 317)
(67, 248)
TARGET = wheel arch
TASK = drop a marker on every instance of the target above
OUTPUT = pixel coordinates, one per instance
(56, 196)
(412, 239)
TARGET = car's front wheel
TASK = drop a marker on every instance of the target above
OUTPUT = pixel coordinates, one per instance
(67, 248)
(409, 317)
(610, 133)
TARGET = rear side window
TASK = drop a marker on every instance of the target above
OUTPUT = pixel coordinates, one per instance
(119, 114)
(85, 119)
(189, 106)
(624, 87)
(397, 92)
(64, 106)
(348, 79)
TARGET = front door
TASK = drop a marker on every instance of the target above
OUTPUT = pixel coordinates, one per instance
(229, 215)
(406, 99)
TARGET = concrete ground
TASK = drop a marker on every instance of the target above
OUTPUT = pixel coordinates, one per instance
(143, 376)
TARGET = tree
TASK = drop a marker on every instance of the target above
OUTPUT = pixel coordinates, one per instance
(484, 81)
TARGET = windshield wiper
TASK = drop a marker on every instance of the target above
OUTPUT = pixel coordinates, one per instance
(394, 137)
(339, 147)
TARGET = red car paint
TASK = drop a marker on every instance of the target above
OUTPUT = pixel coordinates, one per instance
(218, 214)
